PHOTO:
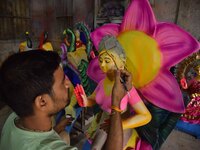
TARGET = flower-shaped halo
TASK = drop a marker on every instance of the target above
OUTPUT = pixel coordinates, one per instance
(151, 48)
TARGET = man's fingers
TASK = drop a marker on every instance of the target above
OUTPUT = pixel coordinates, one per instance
(105, 126)
(127, 75)
(117, 75)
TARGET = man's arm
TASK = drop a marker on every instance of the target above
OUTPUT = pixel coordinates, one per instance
(115, 134)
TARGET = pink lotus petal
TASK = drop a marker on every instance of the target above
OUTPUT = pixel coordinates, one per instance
(94, 71)
(164, 92)
(175, 43)
(99, 33)
(139, 16)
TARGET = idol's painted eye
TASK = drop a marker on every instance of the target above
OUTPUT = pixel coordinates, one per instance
(107, 60)
(100, 60)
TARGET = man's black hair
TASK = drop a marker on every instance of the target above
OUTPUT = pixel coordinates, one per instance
(26, 75)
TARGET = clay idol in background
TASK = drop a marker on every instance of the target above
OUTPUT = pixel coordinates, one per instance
(75, 56)
(44, 43)
(27, 44)
(188, 75)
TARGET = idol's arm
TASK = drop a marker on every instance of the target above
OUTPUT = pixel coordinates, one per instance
(141, 117)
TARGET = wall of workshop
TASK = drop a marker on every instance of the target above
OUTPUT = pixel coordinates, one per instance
(44, 16)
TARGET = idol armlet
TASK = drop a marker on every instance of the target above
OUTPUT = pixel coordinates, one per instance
(133, 96)
(78, 91)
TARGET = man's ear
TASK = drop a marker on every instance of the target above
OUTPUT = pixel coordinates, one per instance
(41, 102)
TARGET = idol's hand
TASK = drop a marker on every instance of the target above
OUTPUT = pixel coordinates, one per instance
(80, 95)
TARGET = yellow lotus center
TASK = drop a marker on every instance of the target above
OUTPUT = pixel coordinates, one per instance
(143, 56)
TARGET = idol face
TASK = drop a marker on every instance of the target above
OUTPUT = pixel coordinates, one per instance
(110, 61)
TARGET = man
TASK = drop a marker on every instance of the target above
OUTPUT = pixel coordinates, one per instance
(34, 85)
